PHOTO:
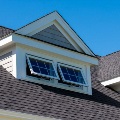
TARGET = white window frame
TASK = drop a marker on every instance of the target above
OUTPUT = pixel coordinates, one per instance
(73, 67)
(42, 59)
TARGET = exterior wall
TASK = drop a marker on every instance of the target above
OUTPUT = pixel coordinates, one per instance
(53, 35)
(6, 61)
(20, 70)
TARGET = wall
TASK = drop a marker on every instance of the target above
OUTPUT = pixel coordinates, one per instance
(20, 69)
(6, 61)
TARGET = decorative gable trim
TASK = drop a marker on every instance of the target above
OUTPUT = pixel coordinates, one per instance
(48, 19)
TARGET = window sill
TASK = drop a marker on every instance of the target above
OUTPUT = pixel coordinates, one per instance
(54, 83)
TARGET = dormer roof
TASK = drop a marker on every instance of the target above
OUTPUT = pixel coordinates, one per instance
(57, 21)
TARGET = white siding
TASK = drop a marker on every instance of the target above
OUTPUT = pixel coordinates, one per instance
(6, 61)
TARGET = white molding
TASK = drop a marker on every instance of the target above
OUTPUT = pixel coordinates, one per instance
(81, 89)
(6, 42)
(13, 115)
(50, 18)
(111, 82)
(54, 49)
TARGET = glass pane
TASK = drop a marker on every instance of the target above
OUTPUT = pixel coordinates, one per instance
(41, 64)
(49, 66)
(51, 73)
(64, 70)
(70, 71)
(44, 71)
(36, 69)
(74, 79)
(66, 77)
(78, 73)
(33, 62)
(81, 80)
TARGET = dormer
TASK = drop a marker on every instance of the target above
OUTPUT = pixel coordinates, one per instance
(47, 51)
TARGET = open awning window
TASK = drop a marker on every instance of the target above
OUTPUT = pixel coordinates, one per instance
(42, 67)
(71, 74)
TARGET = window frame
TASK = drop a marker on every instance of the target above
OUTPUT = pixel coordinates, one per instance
(73, 67)
(42, 59)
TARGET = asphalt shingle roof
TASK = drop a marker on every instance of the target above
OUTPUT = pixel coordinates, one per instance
(5, 31)
(27, 97)
(109, 66)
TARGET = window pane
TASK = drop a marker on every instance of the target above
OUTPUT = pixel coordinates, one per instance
(66, 77)
(78, 73)
(41, 64)
(64, 70)
(36, 69)
(51, 73)
(74, 79)
(49, 66)
(33, 62)
(42, 67)
(81, 80)
(72, 74)
(70, 71)
(44, 71)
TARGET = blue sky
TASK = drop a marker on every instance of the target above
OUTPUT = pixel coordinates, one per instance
(97, 22)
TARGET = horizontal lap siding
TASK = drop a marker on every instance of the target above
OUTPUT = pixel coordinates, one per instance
(6, 61)
(53, 35)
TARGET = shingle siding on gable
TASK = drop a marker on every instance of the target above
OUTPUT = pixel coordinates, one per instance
(6, 61)
(53, 35)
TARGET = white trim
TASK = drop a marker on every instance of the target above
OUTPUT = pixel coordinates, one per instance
(80, 89)
(42, 59)
(68, 66)
(6, 42)
(50, 18)
(110, 82)
(13, 115)
(54, 49)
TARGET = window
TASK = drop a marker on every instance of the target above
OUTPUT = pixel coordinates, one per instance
(42, 67)
(71, 74)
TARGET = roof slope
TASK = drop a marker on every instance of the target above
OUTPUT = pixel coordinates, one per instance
(109, 66)
(22, 96)
(5, 31)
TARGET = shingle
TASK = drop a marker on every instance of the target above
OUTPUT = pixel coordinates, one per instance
(5, 31)
(109, 66)
(28, 97)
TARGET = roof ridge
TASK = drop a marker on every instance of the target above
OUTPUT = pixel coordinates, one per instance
(7, 27)
(36, 20)
(111, 53)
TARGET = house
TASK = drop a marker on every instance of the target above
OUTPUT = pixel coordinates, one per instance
(47, 72)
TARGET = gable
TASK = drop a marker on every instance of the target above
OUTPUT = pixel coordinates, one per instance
(53, 35)
(75, 42)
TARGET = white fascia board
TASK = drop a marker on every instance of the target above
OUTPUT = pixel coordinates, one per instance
(37, 24)
(73, 35)
(12, 115)
(50, 18)
(111, 82)
(54, 49)
(6, 42)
